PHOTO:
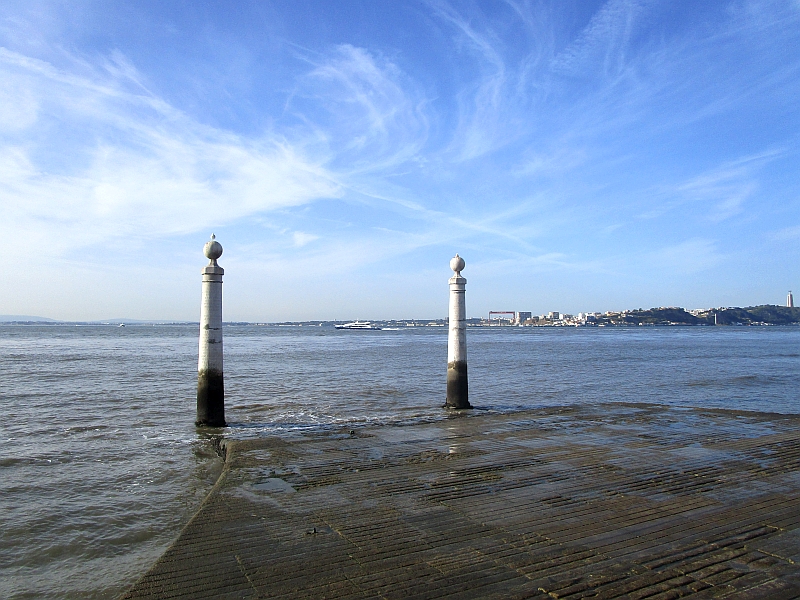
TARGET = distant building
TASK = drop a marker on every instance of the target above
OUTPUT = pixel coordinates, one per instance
(790, 300)
(522, 317)
(554, 315)
(502, 315)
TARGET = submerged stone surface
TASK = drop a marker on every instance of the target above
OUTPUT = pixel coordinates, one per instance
(605, 501)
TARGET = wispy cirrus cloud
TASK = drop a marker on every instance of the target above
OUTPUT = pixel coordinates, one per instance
(716, 194)
(86, 158)
(532, 133)
(91, 156)
(784, 234)
(521, 62)
(602, 46)
(301, 239)
(685, 258)
(370, 115)
(482, 100)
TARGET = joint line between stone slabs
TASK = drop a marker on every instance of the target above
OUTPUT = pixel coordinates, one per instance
(246, 576)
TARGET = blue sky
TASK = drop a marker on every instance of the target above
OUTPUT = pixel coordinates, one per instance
(581, 155)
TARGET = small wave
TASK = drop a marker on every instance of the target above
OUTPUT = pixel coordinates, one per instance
(84, 429)
(702, 383)
(739, 381)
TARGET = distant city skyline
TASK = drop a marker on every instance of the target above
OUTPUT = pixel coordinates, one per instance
(580, 156)
(515, 317)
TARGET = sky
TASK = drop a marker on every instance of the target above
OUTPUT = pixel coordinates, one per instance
(580, 155)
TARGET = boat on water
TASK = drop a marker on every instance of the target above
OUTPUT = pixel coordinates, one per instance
(365, 326)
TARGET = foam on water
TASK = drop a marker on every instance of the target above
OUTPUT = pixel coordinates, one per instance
(102, 464)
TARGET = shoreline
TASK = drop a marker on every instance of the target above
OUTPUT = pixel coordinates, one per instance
(621, 485)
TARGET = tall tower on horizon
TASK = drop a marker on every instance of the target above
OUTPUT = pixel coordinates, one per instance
(790, 300)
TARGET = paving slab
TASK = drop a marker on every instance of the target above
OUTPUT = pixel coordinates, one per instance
(599, 501)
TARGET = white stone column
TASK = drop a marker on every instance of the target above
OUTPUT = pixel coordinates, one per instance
(457, 387)
(210, 386)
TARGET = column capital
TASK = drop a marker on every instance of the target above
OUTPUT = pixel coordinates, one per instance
(214, 269)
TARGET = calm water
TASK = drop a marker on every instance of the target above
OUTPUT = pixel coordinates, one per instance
(101, 464)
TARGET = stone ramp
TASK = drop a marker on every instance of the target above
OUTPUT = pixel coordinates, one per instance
(607, 501)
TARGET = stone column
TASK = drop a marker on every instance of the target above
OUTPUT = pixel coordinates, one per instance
(210, 387)
(457, 388)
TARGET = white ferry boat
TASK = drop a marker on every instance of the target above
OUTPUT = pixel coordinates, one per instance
(366, 325)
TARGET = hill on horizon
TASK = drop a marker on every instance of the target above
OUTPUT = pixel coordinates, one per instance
(24, 318)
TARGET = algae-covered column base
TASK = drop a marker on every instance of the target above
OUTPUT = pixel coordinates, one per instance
(457, 383)
(210, 381)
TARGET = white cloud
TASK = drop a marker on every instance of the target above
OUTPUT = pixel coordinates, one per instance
(603, 43)
(300, 239)
(376, 117)
(18, 107)
(560, 160)
(726, 188)
(686, 258)
(517, 79)
(487, 117)
(87, 161)
(785, 234)
(720, 192)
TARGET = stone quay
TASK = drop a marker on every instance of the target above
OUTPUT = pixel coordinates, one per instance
(588, 501)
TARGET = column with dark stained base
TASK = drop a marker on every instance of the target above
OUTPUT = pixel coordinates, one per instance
(457, 388)
(210, 386)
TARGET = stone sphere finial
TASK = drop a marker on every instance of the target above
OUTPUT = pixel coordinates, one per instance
(457, 264)
(212, 249)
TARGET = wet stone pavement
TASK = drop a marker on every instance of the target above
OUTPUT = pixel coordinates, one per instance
(605, 501)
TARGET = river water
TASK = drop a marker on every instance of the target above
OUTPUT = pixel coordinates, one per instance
(102, 465)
